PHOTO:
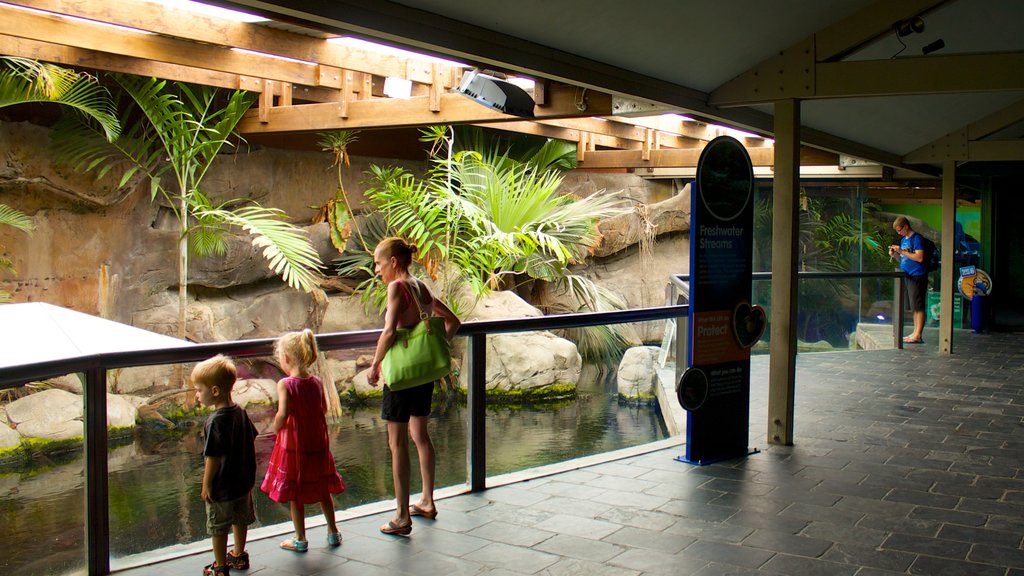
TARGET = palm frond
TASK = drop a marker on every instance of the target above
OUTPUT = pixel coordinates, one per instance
(25, 80)
(286, 247)
(11, 217)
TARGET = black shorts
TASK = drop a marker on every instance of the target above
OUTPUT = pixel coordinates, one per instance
(917, 289)
(399, 406)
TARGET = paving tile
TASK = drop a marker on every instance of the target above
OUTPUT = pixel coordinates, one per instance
(589, 508)
(932, 566)
(844, 534)
(426, 562)
(649, 539)
(869, 556)
(769, 521)
(948, 516)
(512, 534)
(631, 500)
(1001, 556)
(647, 519)
(710, 531)
(577, 526)
(525, 560)
(733, 554)
(797, 565)
(792, 544)
(927, 546)
(575, 567)
(580, 548)
(652, 562)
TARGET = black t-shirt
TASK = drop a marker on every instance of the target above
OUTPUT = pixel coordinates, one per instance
(231, 436)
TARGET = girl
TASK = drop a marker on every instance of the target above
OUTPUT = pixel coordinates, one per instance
(301, 469)
(406, 411)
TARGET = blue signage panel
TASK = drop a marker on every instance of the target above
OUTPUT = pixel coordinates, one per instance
(715, 388)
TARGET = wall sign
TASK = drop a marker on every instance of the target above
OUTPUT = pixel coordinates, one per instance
(715, 388)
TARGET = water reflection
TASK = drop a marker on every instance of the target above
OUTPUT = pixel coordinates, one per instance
(155, 480)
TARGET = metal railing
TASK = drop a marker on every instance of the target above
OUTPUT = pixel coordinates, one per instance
(679, 291)
(95, 367)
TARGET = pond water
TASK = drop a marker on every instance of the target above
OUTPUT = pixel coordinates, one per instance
(155, 477)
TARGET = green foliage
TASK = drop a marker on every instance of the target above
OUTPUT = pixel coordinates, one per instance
(185, 129)
(11, 217)
(23, 80)
(484, 219)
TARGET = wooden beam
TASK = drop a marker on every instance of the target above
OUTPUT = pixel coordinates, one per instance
(169, 21)
(94, 60)
(959, 144)
(81, 34)
(664, 158)
(394, 113)
(548, 129)
(932, 74)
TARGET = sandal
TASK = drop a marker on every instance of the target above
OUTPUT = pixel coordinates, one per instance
(295, 545)
(396, 529)
(415, 510)
(214, 570)
(239, 562)
(334, 539)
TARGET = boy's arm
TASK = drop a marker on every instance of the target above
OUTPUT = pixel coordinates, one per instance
(210, 470)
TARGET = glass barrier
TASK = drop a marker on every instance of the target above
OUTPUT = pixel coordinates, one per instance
(42, 472)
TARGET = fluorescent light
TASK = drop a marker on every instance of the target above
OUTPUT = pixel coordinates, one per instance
(384, 49)
(208, 10)
(397, 88)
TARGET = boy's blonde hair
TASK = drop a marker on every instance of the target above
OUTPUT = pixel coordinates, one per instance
(300, 346)
(217, 371)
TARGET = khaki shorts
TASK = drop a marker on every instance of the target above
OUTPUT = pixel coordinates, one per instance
(220, 516)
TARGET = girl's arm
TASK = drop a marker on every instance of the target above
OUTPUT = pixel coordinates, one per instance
(387, 335)
(282, 405)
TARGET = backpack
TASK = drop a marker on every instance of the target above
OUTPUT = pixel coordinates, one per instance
(932, 258)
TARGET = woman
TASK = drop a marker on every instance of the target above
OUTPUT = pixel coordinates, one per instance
(406, 411)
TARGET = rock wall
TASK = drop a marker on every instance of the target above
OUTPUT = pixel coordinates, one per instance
(113, 253)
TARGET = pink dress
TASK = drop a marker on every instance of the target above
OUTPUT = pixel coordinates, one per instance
(301, 466)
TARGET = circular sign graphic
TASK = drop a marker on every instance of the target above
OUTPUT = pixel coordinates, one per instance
(978, 283)
(692, 389)
(725, 178)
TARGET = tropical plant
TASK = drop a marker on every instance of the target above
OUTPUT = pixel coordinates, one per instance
(177, 133)
(11, 217)
(23, 81)
(489, 221)
(338, 212)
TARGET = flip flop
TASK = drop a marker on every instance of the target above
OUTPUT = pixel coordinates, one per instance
(295, 545)
(396, 529)
(415, 510)
(918, 341)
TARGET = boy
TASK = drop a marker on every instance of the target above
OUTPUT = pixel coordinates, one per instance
(230, 472)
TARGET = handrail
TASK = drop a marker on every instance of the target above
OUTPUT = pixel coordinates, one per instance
(18, 375)
(95, 366)
(680, 282)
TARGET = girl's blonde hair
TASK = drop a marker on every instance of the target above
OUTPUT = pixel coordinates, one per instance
(398, 248)
(300, 346)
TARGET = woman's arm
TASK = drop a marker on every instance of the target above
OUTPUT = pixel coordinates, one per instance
(451, 321)
(387, 335)
(282, 405)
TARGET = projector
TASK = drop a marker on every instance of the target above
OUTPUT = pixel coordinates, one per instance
(496, 93)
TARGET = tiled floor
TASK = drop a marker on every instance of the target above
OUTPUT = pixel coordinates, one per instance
(905, 462)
